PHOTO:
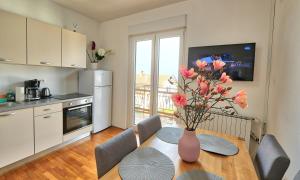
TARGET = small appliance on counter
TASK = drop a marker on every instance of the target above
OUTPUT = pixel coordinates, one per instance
(45, 93)
(20, 94)
(11, 96)
(32, 91)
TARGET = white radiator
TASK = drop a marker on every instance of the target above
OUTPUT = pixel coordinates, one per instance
(235, 125)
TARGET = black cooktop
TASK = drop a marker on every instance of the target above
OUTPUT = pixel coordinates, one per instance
(70, 96)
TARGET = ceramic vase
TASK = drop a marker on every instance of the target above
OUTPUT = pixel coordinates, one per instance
(94, 66)
(189, 146)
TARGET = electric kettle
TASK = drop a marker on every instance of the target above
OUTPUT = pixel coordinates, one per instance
(45, 93)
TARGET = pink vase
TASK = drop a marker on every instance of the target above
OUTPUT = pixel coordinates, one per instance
(189, 146)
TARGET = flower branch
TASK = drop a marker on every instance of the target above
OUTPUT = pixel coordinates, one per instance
(201, 91)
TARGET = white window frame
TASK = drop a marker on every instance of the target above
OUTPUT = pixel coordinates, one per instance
(155, 37)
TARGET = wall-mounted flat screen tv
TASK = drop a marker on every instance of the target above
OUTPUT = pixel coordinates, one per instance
(239, 59)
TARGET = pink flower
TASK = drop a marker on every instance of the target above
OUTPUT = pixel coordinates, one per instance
(179, 99)
(241, 99)
(226, 93)
(203, 88)
(225, 78)
(241, 93)
(219, 89)
(187, 73)
(201, 64)
(200, 79)
(207, 97)
(218, 64)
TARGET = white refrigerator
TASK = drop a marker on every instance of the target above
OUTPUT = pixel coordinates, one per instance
(99, 84)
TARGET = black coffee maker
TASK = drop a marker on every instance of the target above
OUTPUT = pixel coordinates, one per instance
(32, 91)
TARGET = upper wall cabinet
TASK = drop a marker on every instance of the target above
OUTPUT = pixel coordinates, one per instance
(12, 38)
(43, 43)
(73, 49)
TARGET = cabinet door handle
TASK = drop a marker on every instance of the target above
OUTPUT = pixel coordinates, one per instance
(74, 65)
(47, 109)
(46, 117)
(45, 62)
(5, 60)
(8, 114)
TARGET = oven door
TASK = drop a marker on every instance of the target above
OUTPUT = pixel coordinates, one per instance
(77, 117)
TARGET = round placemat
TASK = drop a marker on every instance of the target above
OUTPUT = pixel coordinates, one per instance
(217, 145)
(146, 164)
(170, 134)
(198, 174)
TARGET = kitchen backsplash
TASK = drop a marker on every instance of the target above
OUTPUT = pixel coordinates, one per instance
(59, 80)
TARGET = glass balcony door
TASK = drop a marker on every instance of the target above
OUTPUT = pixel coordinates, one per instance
(155, 58)
(143, 77)
(169, 53)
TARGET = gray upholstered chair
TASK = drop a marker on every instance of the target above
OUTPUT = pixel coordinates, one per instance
(111, 152)
(297, 177)
(148, 127)
(271, 161)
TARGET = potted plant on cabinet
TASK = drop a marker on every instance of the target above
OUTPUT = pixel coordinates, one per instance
(202, 91)
(96, 55)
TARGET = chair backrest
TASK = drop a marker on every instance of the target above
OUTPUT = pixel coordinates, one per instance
(148, 127)
(271, 161)
(297, 177)
(111, 152)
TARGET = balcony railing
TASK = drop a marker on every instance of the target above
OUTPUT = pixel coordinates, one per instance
(165, 106)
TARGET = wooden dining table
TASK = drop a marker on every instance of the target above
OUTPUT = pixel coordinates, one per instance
(236, 167)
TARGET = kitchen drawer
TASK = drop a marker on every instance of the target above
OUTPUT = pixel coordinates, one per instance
(42, 110)
(48, 131)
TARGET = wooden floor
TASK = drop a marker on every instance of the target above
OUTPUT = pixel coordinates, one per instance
(74, 161)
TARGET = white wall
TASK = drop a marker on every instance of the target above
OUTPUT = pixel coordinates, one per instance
(60, 80)
(284, 103)
(209, 22)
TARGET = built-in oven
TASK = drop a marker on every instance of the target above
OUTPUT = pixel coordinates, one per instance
(77, 114)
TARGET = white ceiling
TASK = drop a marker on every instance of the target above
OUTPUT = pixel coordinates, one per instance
(103, 10)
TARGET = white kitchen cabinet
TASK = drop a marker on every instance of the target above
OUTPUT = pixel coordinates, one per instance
(73, 49)
(42, 110)
(43, 43)
(12, 38)
(48, 131)
(16, 136)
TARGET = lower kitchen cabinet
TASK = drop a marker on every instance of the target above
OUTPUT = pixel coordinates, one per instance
(48, 131)
(16, 136)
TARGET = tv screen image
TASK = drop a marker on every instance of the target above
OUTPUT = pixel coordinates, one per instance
(239, 59)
